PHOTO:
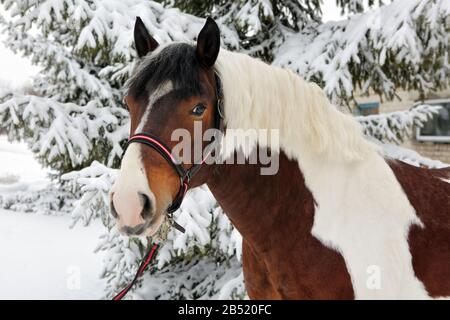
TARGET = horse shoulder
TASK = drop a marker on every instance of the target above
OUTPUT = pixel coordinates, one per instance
(429, 193)
(257, 282)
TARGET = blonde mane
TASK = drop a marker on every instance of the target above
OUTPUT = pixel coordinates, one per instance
(260, 96)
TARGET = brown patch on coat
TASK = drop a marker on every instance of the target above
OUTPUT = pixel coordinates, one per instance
(275, 215)
(430, 246)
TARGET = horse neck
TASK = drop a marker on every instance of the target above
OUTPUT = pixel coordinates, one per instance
(328, 149)
(264, 208)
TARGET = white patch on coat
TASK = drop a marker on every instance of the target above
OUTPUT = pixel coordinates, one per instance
(131, 181)
(362, 211)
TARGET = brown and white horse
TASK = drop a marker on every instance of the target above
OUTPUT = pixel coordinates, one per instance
(337, 221)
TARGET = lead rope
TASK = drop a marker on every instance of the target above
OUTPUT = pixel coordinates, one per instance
(148, 258)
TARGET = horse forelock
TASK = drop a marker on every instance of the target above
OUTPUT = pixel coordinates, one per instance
(170, 69)
(175, 62)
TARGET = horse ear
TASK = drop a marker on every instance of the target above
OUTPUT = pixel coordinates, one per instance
(208, 43)
(143, 41)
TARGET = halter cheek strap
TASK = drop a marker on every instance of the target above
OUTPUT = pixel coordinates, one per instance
(185, 174)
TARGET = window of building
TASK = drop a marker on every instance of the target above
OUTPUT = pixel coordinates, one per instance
(436, 129)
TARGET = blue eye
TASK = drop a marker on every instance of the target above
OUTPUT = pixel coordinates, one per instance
(198, 110)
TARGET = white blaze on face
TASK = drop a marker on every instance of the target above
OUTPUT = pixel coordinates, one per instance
(159, 92)
(132, 179)
(131, 182)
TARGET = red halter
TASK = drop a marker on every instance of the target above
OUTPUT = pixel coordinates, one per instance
(185, 174)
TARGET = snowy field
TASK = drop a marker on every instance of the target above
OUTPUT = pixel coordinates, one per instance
(40, 257)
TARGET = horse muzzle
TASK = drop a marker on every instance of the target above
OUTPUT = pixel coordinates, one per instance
(134, 213)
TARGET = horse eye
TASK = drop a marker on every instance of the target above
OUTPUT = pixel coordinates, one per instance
(198, 110)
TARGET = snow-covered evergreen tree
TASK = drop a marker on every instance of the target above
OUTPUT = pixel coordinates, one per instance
(396, 126)
(76, 124)
(401, 45)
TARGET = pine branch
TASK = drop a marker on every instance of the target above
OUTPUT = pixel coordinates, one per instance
(64, 135)
(403, 45)
(396, 126)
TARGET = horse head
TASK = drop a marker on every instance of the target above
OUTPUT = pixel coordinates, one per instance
(173, 87)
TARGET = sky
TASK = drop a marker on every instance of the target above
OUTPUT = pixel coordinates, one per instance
(330, 12)
(16, 70)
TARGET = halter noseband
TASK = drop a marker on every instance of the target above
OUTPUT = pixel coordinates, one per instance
(185, 174)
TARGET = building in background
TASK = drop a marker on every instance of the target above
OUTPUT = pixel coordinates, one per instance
(432, 140)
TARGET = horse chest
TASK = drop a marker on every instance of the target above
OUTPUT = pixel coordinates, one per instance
(297, 277)
(302, 269)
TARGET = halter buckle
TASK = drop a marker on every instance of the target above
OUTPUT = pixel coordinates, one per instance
(219, 109)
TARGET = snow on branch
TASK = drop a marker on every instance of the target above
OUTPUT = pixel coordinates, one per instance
(208, 230)
(395, 126)
(356, 5)
(93, 183)
(105, 27)
(198, 214)
(65, 76)
(48, 199)
(410, 156)
(199, 278)
(63, 134)
(401, 45)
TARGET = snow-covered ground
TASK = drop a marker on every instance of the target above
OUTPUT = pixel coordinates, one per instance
(19, 171)
(40, 257)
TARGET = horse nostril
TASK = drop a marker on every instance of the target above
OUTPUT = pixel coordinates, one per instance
(147, 206)
(113, 210)
(134, 231)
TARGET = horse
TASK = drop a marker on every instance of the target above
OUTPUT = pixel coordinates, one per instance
(338, 220)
